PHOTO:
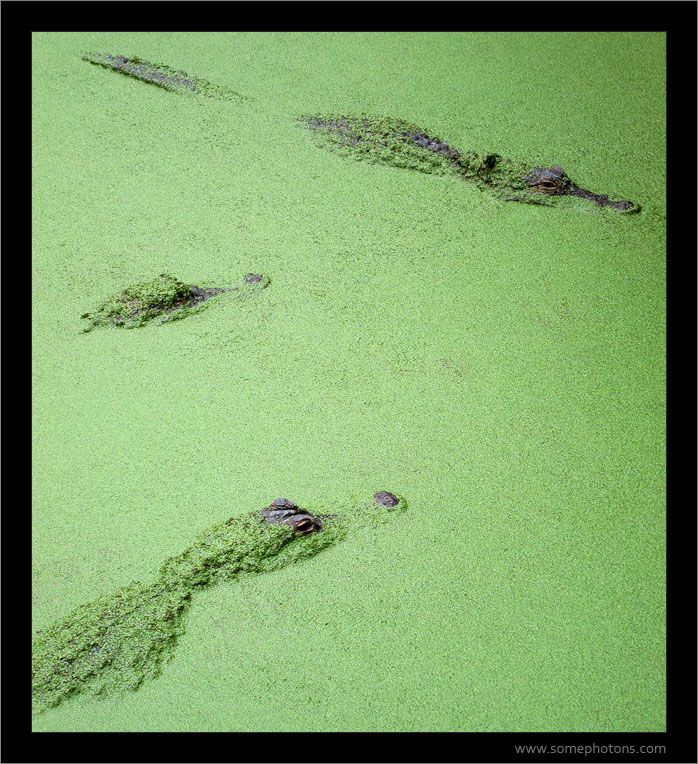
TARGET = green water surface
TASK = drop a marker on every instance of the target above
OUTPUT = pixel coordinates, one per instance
(500, 365)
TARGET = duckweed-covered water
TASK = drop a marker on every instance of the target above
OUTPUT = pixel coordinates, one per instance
(501, 365)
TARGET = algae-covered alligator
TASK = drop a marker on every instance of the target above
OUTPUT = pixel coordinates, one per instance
(117, 642)
(394, 142)
(399, 144)
(163, 299)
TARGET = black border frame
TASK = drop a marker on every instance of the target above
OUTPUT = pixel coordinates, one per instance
(678, 20)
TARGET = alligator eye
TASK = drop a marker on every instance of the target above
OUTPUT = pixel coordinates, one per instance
(304, 526)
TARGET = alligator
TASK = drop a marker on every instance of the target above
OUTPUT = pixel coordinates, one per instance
(163, 299)
(397, 143)
(119, 641)
(394, 142)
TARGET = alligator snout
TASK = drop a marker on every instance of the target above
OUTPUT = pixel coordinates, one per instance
(386, 498)
(554, 181)
(302, 522)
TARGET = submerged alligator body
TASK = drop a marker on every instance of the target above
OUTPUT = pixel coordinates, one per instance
(118, 642)
(163, 76)
(400, 144)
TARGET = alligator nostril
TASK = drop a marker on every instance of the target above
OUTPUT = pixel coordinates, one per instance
(386, 498)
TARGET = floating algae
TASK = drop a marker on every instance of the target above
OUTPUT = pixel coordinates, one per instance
(117, 642)
(164, 298)
(383, 140)
(163, 76)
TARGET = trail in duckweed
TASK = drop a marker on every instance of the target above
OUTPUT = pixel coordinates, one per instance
(117, 642)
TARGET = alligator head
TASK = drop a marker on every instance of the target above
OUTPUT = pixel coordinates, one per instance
(554, 182)
(285, 512)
